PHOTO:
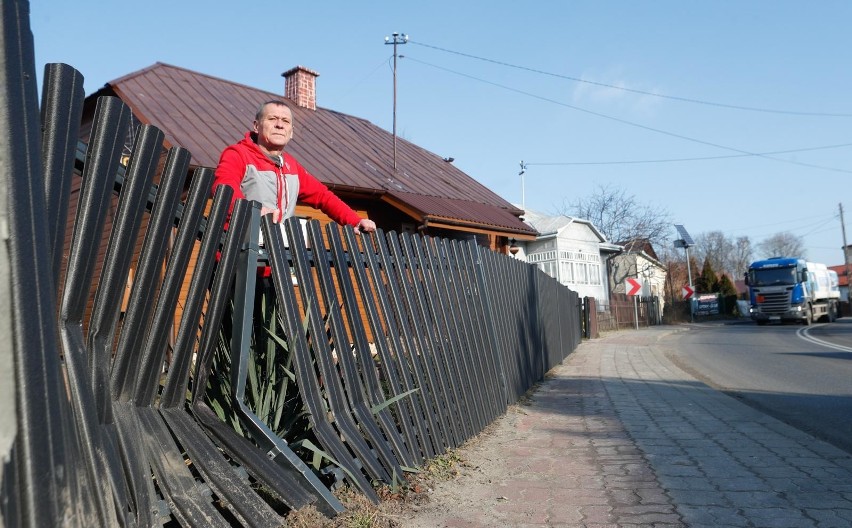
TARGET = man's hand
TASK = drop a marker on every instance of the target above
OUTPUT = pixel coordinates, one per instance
(365, 225)
(276, 213)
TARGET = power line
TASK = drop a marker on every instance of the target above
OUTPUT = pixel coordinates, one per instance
(704, 158)
(630, 123)
(632, 90)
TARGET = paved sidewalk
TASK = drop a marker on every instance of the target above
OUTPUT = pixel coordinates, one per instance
(618, 436)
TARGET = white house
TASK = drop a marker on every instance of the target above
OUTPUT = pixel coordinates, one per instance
(638, 260)
(570, 250)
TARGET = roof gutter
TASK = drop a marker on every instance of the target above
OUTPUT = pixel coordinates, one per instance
(428, 221)
(360, 191)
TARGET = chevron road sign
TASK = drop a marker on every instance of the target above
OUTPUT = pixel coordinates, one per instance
(633, 286)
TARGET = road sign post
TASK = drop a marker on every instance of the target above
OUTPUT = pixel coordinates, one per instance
(633, 287)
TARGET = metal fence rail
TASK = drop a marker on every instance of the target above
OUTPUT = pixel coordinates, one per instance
(403, 346)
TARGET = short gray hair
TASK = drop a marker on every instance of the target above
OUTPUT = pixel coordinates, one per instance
(277, 102)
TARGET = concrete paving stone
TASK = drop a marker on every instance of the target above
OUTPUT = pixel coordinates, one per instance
(652, 496)
(627, 497)
(726, 470)
(624, 481)
(761, 499)
(618, 436)
(740, 484)
(758, 460)
(823, 500)
(650, 519)
(687, 483)
(712, 516)
(793, 485)
(698, 498)
(698, 444)
(825, 450)
(776, 518)
(664, 469)
(661, 450)
(830, 517)
(597, 514)
(806, 463)
(578, 496)
(785, 452)
(643, 509)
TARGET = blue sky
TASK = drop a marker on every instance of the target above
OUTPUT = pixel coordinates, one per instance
(587, 93)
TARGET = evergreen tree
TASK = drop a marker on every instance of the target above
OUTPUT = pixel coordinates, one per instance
(728, 294)
(726, 287)
(707, 282)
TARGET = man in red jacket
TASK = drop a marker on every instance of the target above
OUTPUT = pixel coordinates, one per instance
(257, 168)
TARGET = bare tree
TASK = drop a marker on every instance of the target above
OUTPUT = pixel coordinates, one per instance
(784, 244)
(743, 255)
(620, 217)
(716, 248)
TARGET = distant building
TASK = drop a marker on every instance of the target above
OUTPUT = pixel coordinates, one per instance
(570, 250)
(638, 260)
(842, 281)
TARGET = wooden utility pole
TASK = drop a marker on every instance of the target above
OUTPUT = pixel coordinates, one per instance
(398, 39)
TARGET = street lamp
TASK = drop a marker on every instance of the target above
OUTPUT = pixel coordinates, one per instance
(685, 241)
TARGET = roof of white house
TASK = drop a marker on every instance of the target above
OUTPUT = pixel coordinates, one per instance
(551, 226)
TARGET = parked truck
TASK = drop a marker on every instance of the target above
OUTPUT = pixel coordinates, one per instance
(784, 289)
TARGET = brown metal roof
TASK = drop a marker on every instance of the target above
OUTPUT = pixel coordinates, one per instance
(204, 114)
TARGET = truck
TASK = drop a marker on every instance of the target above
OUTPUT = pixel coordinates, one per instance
(789, 289)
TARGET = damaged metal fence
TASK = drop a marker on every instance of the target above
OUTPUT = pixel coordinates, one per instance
(403, 346)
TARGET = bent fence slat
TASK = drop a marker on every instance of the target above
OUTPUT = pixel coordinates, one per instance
(363, 362)
(346, 360)
(412, 346)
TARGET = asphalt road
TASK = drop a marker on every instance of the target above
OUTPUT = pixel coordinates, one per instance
(800, 375)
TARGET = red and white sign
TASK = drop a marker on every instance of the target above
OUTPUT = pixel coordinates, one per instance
(633, 286)
(687, 292)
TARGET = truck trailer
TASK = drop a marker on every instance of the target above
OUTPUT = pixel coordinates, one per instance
(785, 289)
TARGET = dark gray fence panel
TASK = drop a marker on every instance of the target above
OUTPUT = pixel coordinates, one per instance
(456, 290)
(112, 121)
(303, 360)
(444, 336)
(273, 463)
(421, 351)
(469, 255)
(61, 111)
(458, 332)
(338, 404)
(346, 357)
(43, 456)
(403, 410)
(386, 294)
(365, 368)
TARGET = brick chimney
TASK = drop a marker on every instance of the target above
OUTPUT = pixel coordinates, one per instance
(300, 86)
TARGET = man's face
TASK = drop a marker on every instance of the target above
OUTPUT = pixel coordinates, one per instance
(275, 128)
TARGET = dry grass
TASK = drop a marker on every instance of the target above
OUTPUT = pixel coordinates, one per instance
(395, 503)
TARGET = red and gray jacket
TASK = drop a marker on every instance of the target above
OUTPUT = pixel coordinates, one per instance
(277, 183)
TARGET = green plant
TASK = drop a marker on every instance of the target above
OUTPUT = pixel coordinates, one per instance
(271, 391)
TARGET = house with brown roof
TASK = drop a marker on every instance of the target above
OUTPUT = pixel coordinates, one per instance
(424, 193)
